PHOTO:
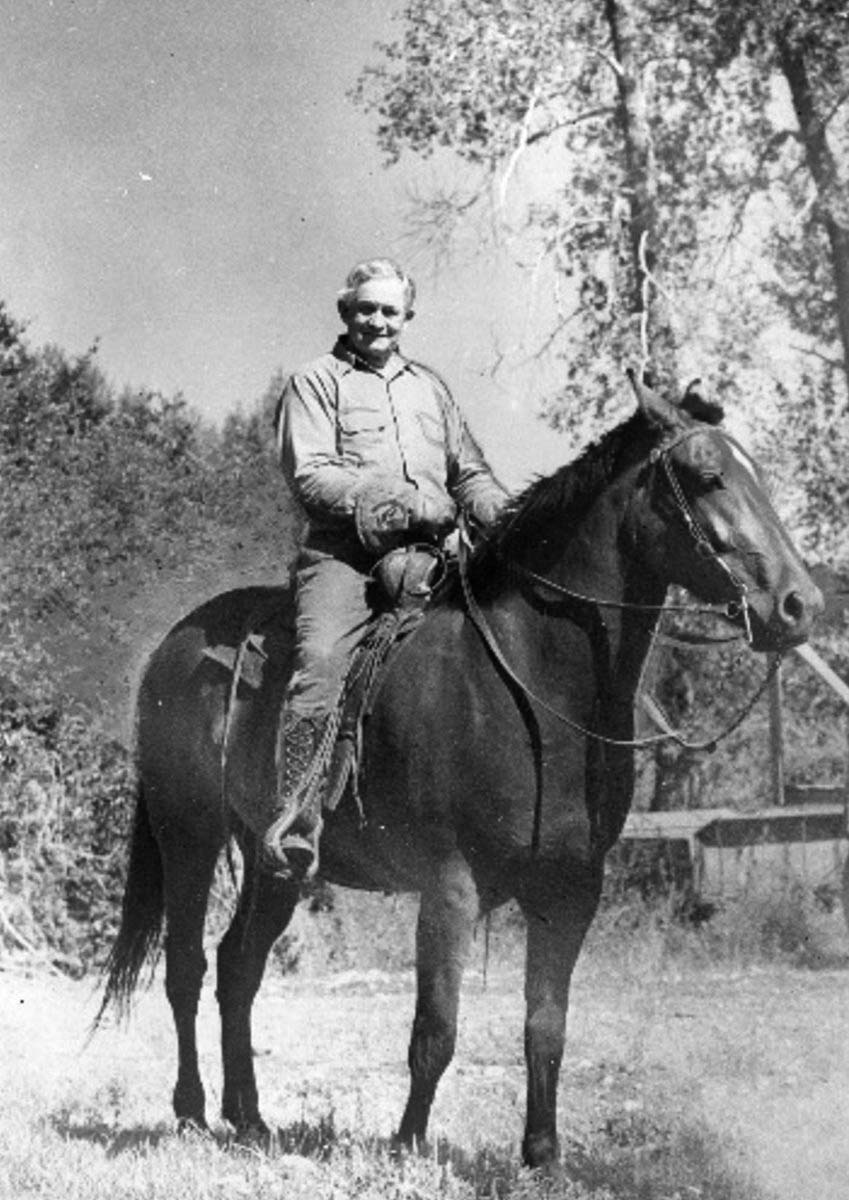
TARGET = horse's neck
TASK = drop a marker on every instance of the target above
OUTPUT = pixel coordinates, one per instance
(601, 592)
(598, 557)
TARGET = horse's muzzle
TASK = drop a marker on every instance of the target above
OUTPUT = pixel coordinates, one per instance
(792, 619)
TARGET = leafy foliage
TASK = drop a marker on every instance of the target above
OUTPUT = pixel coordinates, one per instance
(63, 823)
(714, 128)
(106, 501)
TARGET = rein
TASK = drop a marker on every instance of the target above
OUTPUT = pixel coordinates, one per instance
(734, 608)
(731, 610)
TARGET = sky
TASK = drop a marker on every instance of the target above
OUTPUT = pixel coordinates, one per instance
(188, 183)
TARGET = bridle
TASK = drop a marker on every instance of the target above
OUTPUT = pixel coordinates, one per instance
(738, 608)
(732, 610)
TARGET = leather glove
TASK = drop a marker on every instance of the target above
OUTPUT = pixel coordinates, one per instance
(432, 516)
(484, 510)
(382, 513)
(390, 512)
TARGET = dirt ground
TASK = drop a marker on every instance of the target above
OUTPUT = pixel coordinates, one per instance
(758, 1057)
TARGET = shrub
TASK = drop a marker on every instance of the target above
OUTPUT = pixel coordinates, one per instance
(64, 806)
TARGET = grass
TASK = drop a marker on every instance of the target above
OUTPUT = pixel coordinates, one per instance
(693, 1053)
(88, 1152)
(677, 1074)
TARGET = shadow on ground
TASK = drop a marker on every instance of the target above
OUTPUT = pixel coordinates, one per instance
(115, 1141)
(632, 1156)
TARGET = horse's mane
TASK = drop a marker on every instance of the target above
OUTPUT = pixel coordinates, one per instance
(561, 498)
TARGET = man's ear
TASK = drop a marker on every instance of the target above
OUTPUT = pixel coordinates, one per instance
(342, 310)
(410, 313)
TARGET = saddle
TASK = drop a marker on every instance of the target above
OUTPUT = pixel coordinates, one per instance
(404, 582)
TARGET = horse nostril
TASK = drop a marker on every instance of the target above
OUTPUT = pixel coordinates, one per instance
(793, 608)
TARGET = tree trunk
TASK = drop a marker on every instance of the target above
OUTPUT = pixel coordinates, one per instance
(639, 187)
(833, 208)
(672, 772)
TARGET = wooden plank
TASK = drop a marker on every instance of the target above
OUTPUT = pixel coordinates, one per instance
(810, 823)
(814, 793)
(809, 654)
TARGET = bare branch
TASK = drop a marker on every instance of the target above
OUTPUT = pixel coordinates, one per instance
(735, 223)
(611, 61)
(548, 341)
(839, 102)
(837, 363)
(648, 281)
(432, 220)
(521, 146)
(589, 115)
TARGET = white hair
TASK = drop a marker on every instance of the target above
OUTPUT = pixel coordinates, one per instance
(375, 268)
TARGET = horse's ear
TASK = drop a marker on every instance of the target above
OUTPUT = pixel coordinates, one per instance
(653, 406)
(697, 406)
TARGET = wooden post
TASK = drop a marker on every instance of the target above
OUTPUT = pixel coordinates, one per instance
(776, 732)
(846, 771)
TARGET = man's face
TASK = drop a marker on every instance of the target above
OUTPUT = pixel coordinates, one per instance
(375, 319)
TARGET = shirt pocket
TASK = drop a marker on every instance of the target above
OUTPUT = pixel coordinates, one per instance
(362, 432)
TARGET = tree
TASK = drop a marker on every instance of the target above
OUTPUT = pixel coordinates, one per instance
(611, 101)
(667, 228)
(806, 44)
(664, 123)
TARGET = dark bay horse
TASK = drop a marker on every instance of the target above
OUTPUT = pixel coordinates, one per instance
(496, 757)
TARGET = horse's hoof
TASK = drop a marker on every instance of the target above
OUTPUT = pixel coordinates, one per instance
(253, 1135)
(193, 1127)
(541, 1152)
(402, 1146)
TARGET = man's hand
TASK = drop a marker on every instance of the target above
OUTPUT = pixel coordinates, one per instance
(432, 516)
(389, 512)
(382, 514)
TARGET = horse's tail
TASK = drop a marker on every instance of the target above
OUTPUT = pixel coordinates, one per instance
(141, 915)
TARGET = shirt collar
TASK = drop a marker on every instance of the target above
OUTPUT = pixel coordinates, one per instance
(345, 355)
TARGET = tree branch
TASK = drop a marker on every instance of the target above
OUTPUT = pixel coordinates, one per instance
(736, 222)
(590, 115)
(837, 363)
(521, 146)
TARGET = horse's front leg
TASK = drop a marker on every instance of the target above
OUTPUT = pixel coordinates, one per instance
(449, 907)
(556, 930)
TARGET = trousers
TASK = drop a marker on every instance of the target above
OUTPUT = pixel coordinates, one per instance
(332, 612)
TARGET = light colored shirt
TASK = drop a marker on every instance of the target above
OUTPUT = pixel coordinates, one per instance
(343, 421)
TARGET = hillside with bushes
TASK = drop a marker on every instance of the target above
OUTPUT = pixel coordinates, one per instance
(119, 511)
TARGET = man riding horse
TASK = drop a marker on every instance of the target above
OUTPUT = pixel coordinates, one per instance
(375, 449)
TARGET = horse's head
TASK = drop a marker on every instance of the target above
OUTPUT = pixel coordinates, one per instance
(713, 529)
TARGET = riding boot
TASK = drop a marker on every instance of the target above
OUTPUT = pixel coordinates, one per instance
(290, 843)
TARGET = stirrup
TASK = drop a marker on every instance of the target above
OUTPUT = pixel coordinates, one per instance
(291, 855)
(296, 856)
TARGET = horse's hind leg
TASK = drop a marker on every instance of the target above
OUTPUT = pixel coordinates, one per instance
(448, 911)
(265, 907)
(189, 865)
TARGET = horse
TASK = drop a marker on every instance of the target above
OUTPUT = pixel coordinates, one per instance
(497, 755)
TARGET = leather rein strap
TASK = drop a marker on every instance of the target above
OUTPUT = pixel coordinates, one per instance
(704, 548)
